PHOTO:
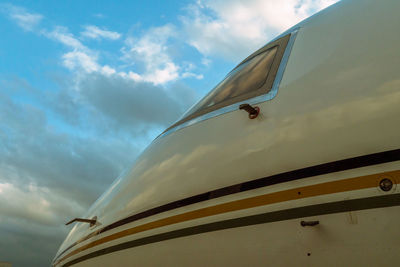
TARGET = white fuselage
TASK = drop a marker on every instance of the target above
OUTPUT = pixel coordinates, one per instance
(237, 189)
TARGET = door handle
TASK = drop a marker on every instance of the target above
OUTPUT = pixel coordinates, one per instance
(92, 221)
(253, 111)
(309, 223)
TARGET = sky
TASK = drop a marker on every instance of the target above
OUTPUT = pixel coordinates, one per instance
(85, 86)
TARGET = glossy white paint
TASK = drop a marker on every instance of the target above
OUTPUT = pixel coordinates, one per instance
(339, 98)
(275, 244)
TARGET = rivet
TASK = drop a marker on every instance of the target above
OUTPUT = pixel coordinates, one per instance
(386, 184)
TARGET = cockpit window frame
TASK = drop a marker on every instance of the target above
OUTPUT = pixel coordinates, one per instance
(266, 85)
(267, 92)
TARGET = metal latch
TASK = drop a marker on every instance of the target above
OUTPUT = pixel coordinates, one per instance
(253, 111)
(91, 222)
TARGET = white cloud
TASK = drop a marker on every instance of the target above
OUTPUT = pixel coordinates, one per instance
(48, 176)
(81, 137)
(206, 61)
(95, 32)
(36, 204)
(151, 50)
(107, 70)
(26, 20)
(168, 72)
(99, 15)
(150, 53)
(232, 29)
(80, 60)
(62, 35)
(192, 75)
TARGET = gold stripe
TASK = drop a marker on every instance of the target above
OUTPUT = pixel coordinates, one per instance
(363, 182)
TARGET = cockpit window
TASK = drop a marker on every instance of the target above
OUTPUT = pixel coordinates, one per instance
(248, 77)
(253, 77)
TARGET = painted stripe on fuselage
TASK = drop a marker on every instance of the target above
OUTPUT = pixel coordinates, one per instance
(331, 167)
(302, 212)
(358, 183)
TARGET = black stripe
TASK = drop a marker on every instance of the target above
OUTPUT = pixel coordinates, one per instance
(336, 166)
(302, 212)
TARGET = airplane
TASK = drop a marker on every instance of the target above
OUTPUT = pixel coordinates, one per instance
(293, 159)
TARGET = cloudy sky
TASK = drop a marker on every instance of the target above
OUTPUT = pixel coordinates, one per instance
(77, 82)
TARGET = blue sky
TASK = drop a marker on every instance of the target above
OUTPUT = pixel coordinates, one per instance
(85, 86)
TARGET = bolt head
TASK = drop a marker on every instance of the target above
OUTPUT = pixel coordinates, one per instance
(386, 184)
